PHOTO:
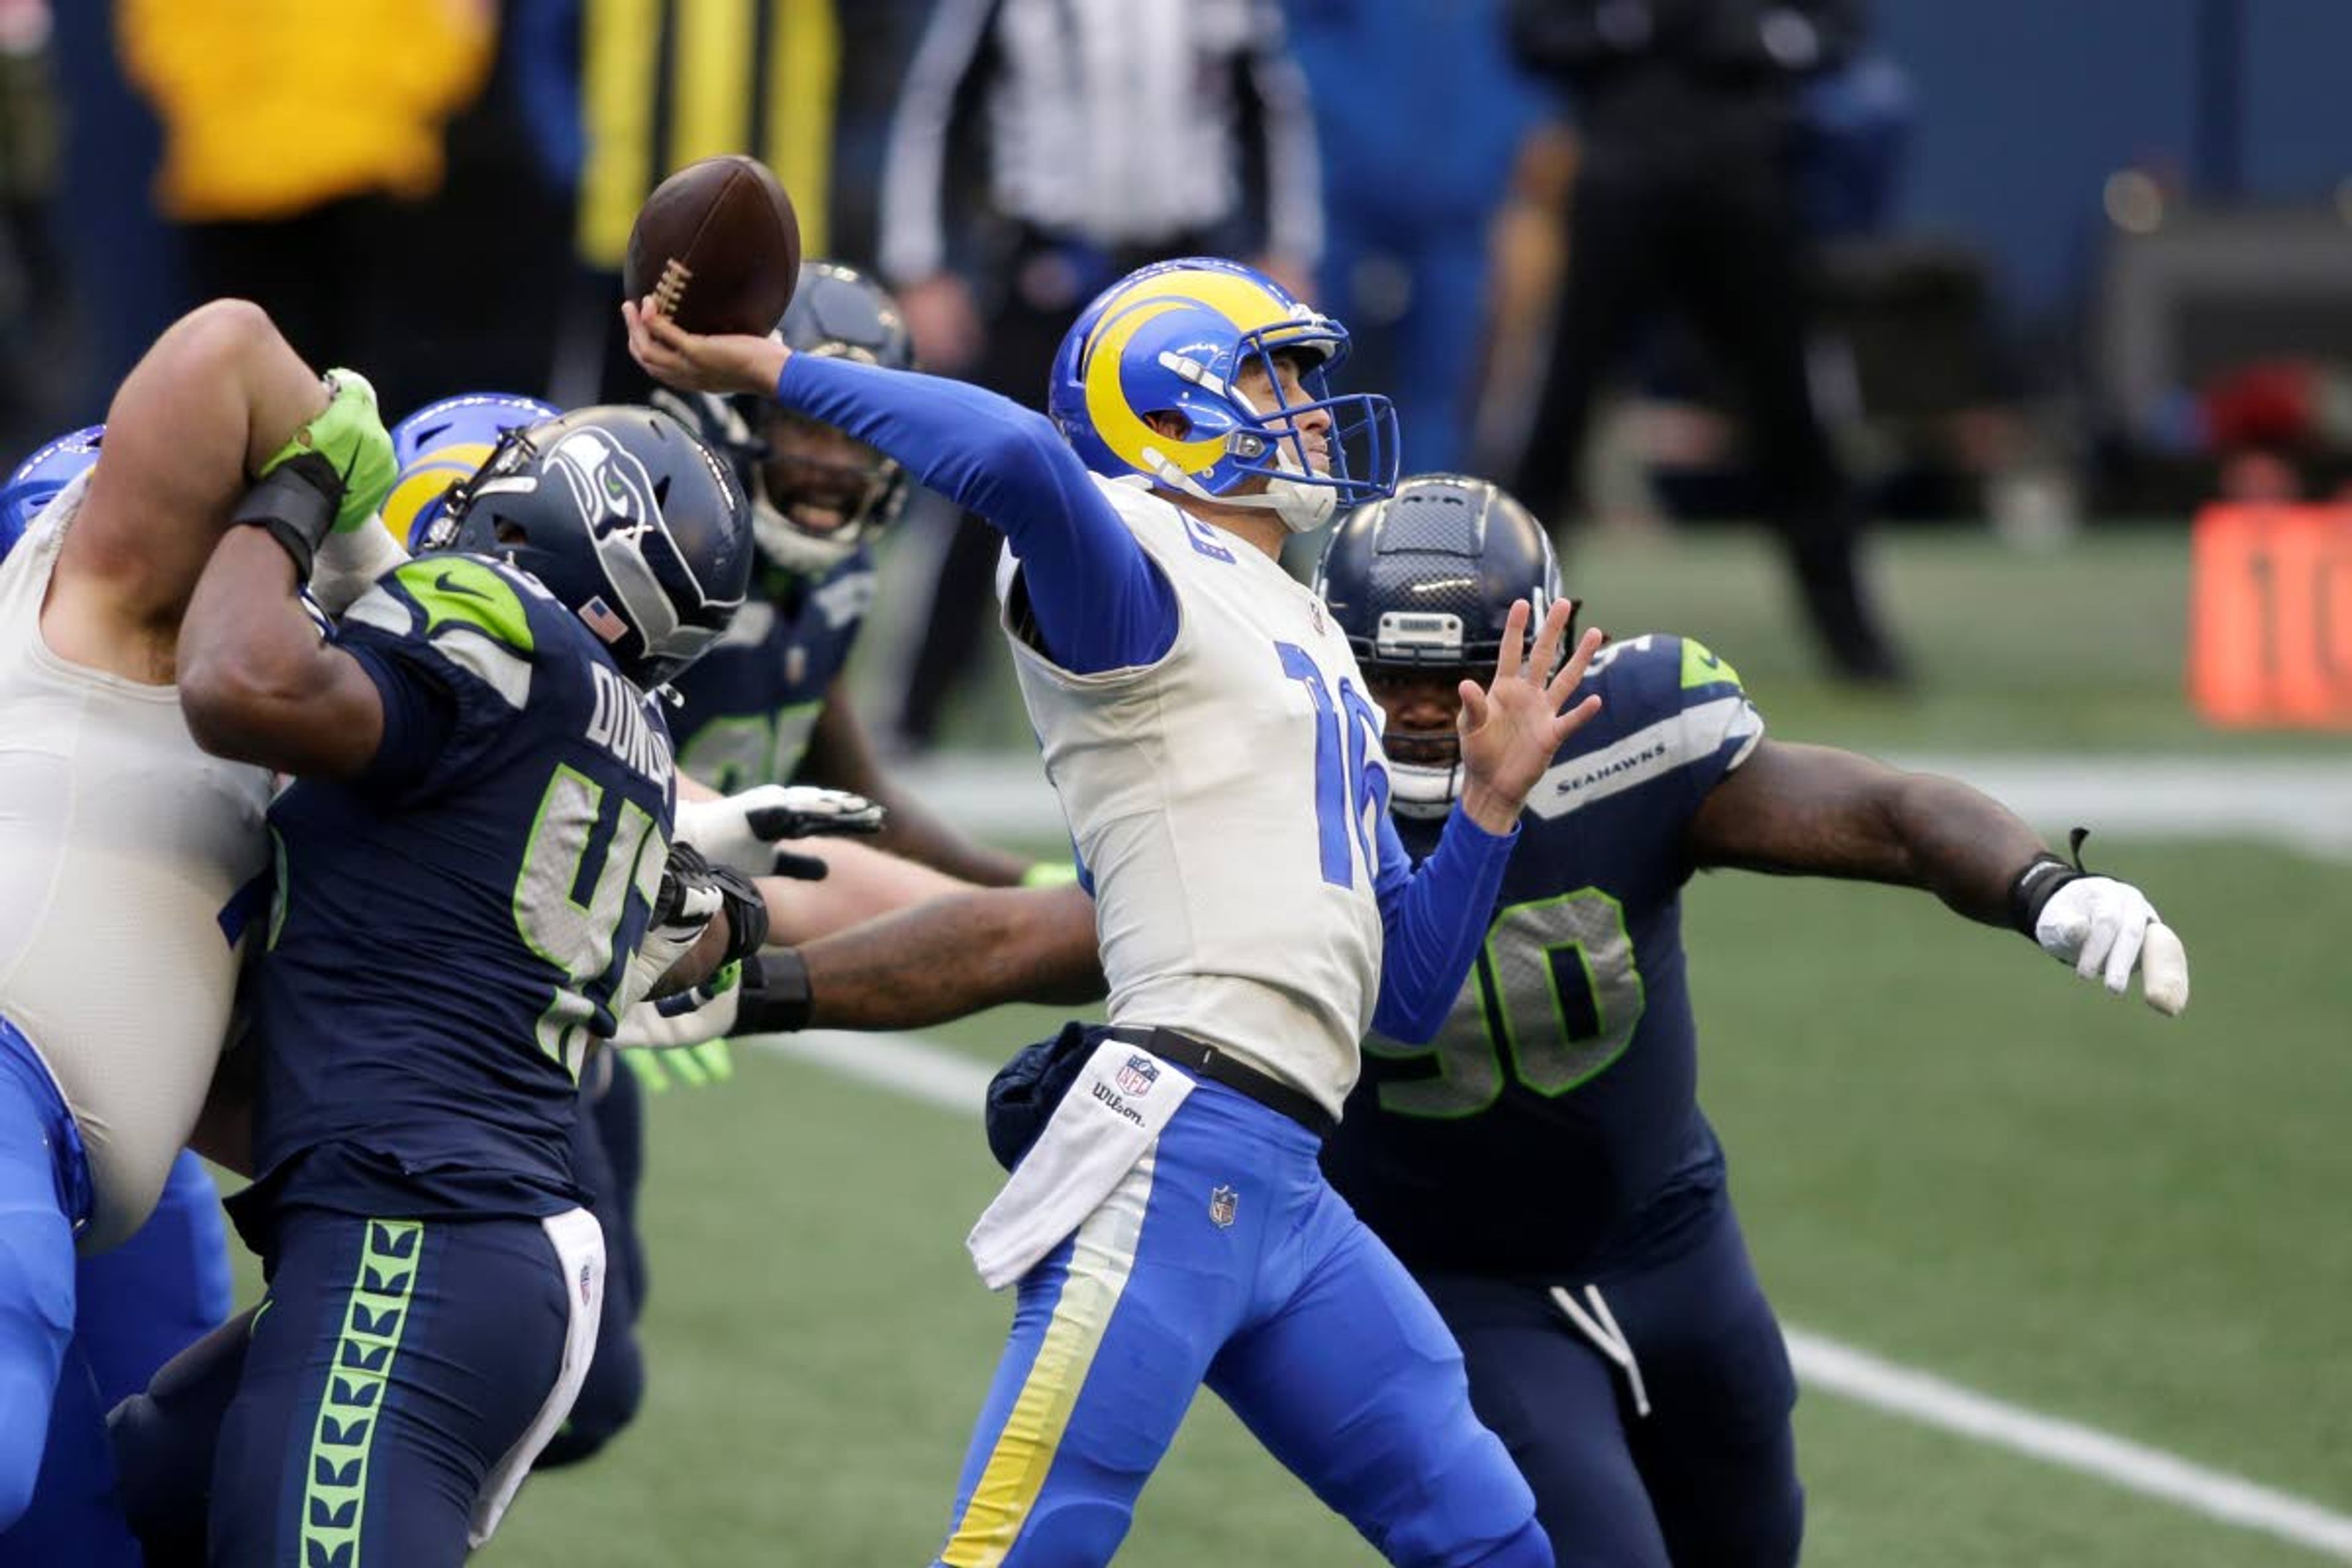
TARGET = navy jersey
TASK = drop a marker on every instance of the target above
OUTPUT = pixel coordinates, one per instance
(452, 927)
(1553, 1123)
(750, 702)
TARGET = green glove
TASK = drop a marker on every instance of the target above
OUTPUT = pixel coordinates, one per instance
(696, 1067)
(349, 434)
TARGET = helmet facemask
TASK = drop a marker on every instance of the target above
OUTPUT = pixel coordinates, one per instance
(818, 493)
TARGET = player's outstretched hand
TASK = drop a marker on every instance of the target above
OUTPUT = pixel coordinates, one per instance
(1511, 728)
(728, 362)
(2105, 928)
(742, 829)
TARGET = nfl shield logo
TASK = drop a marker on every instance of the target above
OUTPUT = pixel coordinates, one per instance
(1138, 1076)
(1221, 1205)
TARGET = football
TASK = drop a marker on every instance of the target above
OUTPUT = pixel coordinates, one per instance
(718, 247)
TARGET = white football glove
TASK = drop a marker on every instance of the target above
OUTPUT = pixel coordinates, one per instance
(741, 830)
(2105, 928)
(694, 1017)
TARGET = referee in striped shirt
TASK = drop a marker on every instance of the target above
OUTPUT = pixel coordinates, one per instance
(1044, 149)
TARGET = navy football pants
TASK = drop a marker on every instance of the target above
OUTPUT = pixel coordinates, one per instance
(1707, 1479)
(395, 1366)
(607, 1163)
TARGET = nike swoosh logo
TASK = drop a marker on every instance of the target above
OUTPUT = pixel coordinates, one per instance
(447, 583)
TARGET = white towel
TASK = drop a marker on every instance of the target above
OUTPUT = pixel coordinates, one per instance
(1113, 1112)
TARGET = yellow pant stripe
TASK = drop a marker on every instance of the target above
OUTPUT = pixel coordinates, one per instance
(1101, 1258)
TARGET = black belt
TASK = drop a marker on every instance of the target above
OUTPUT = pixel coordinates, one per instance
(1217, 1066)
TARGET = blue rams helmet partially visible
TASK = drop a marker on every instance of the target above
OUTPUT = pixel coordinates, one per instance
(1174, 338)
(1424, 580)
(40, 477)
(443, 443)
(633, 525)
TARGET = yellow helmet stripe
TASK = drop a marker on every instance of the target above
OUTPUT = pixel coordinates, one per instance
(1122, 427)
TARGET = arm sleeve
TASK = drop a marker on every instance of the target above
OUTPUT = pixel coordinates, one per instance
(938, 110)
(1432, 920)
(1099, 603)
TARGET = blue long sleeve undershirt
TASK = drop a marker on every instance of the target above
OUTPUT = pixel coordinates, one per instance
(1099, 603)
(1434, 918)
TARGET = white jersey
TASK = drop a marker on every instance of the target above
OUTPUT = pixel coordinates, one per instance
(1217, 799)
(121, 845)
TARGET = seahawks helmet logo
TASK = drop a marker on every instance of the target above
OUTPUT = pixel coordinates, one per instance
(611, 487)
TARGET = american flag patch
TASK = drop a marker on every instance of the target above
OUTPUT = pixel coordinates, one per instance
(603, 621)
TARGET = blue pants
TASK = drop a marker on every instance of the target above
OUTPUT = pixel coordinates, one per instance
(136, 1306)
(139, 1304)
(44, 1194)
(1224, 1258)
(1707, 1479)
(395, 1366)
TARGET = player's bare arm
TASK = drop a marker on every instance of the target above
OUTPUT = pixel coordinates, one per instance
(954, 956)
(208, 405)
(840, 757)
(257, 682)
(1816, 811)
(1801, 810)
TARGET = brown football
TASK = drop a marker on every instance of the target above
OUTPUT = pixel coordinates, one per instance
(718, 245)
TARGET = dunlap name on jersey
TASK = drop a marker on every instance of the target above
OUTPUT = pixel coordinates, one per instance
(618, 725)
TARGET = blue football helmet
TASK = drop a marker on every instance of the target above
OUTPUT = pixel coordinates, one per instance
(40, 477)
(1173, 338)
(443, 443)
(633, 524)
(1424, 582)
(817, 492)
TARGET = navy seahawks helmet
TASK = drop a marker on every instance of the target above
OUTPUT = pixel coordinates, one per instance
(816, 493)
(631, 523)
(1424, 580)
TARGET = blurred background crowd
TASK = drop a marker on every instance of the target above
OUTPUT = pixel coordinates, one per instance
(1650, 262)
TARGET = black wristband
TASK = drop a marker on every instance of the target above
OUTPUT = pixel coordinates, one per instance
(776, 998)
(294, 503)
(2043, 875)
(747, 914)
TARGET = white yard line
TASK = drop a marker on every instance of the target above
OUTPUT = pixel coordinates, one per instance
(2304, 804)
(918, 1069)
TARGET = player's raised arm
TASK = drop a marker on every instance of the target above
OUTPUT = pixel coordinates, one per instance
(1816, 811)
(1434, 915)
(258, 682)
(1099, 603)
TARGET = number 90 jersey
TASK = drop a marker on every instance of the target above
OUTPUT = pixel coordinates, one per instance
(1556, 1108)
(452, 927)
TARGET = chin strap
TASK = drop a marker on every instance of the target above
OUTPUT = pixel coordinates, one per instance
(1417, 789)
(1303, 507)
